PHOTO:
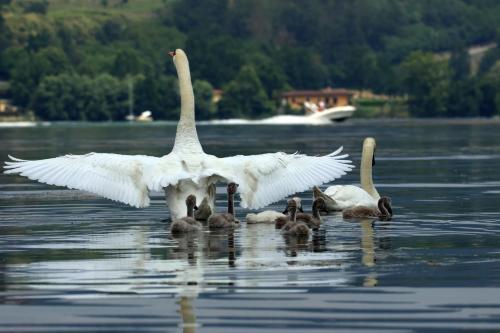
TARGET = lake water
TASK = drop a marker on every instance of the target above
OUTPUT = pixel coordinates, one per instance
(70, 261)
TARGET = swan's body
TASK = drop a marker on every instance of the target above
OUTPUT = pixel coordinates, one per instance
(225, 220)
(340, 197)
(294, 227)
(186, 224)
(186, 170)
(266, 216)
(313, 220)
(270, 216)
(346, 196)
(383, 211)
(204, 210)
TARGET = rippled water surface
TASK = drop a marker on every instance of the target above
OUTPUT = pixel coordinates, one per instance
(70, 261)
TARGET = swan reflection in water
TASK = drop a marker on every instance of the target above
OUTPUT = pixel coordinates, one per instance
(146, 260)
(196, 249)
(190, 279)
(368, 257)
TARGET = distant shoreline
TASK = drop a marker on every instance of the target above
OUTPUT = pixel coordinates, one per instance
(247, 122)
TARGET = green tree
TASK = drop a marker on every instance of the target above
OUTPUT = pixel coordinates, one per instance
(159, 94)
(216, 59)
(4, 68)
(460, 64)
(203, 94)
(427, 82)
(29, 69)
(75, 97)
(126, 63)
(489, 86)
(489, 59)
(109, 100)
(271, 75)
(55, 96)
(3, 33)
(304, 68)
(110, 31)
(464, 99)
(35, 6)
(245, 96)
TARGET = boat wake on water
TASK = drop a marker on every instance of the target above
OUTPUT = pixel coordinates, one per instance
(275, 120)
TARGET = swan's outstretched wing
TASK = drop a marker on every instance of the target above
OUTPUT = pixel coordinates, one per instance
(267, 178)
(117, 177)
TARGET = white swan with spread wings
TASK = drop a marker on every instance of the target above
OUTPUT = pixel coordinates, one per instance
(186, 170)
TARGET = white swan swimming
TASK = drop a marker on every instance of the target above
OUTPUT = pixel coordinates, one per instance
(186, 170)
(269, 216)
(340, 197)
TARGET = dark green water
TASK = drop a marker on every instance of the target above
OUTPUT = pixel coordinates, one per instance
(72, 262)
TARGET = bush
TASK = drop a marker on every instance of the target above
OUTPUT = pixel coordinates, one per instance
(35, 6)
(245, 96)
(75, 97)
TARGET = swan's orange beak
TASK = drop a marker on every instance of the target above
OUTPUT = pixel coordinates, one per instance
(171, 53)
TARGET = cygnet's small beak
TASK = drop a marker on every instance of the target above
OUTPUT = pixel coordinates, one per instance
(195, 207)
(171, 53)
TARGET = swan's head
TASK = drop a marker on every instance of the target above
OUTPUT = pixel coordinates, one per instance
(298, 202)
(369, 146)
(330, 204)
(191, 202)
(320, 204)
(178, 55)
(232, 188)
(385, 207)
(291, 205)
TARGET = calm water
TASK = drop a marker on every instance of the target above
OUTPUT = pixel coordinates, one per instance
(72, 262)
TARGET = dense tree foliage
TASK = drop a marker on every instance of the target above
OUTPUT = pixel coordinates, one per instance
(75, 97)
(245, 96)
(158, 93)
(427, 82)
(203, 92)
(253, 50)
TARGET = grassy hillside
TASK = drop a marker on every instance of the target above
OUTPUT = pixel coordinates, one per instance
(132, 9)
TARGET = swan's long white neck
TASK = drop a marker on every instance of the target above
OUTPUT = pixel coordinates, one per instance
(366, 170)
(186, 138)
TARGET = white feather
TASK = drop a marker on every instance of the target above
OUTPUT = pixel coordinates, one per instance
(116, 177)
(348, 196)
(267, 178)
(262, 179)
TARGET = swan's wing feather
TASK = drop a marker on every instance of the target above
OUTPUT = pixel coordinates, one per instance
(117, 177)
(267, 178)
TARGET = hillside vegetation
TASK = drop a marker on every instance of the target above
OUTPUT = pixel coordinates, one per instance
(76, 60)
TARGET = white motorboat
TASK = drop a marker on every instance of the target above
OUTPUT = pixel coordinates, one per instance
(336, 113)
(144, 116)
